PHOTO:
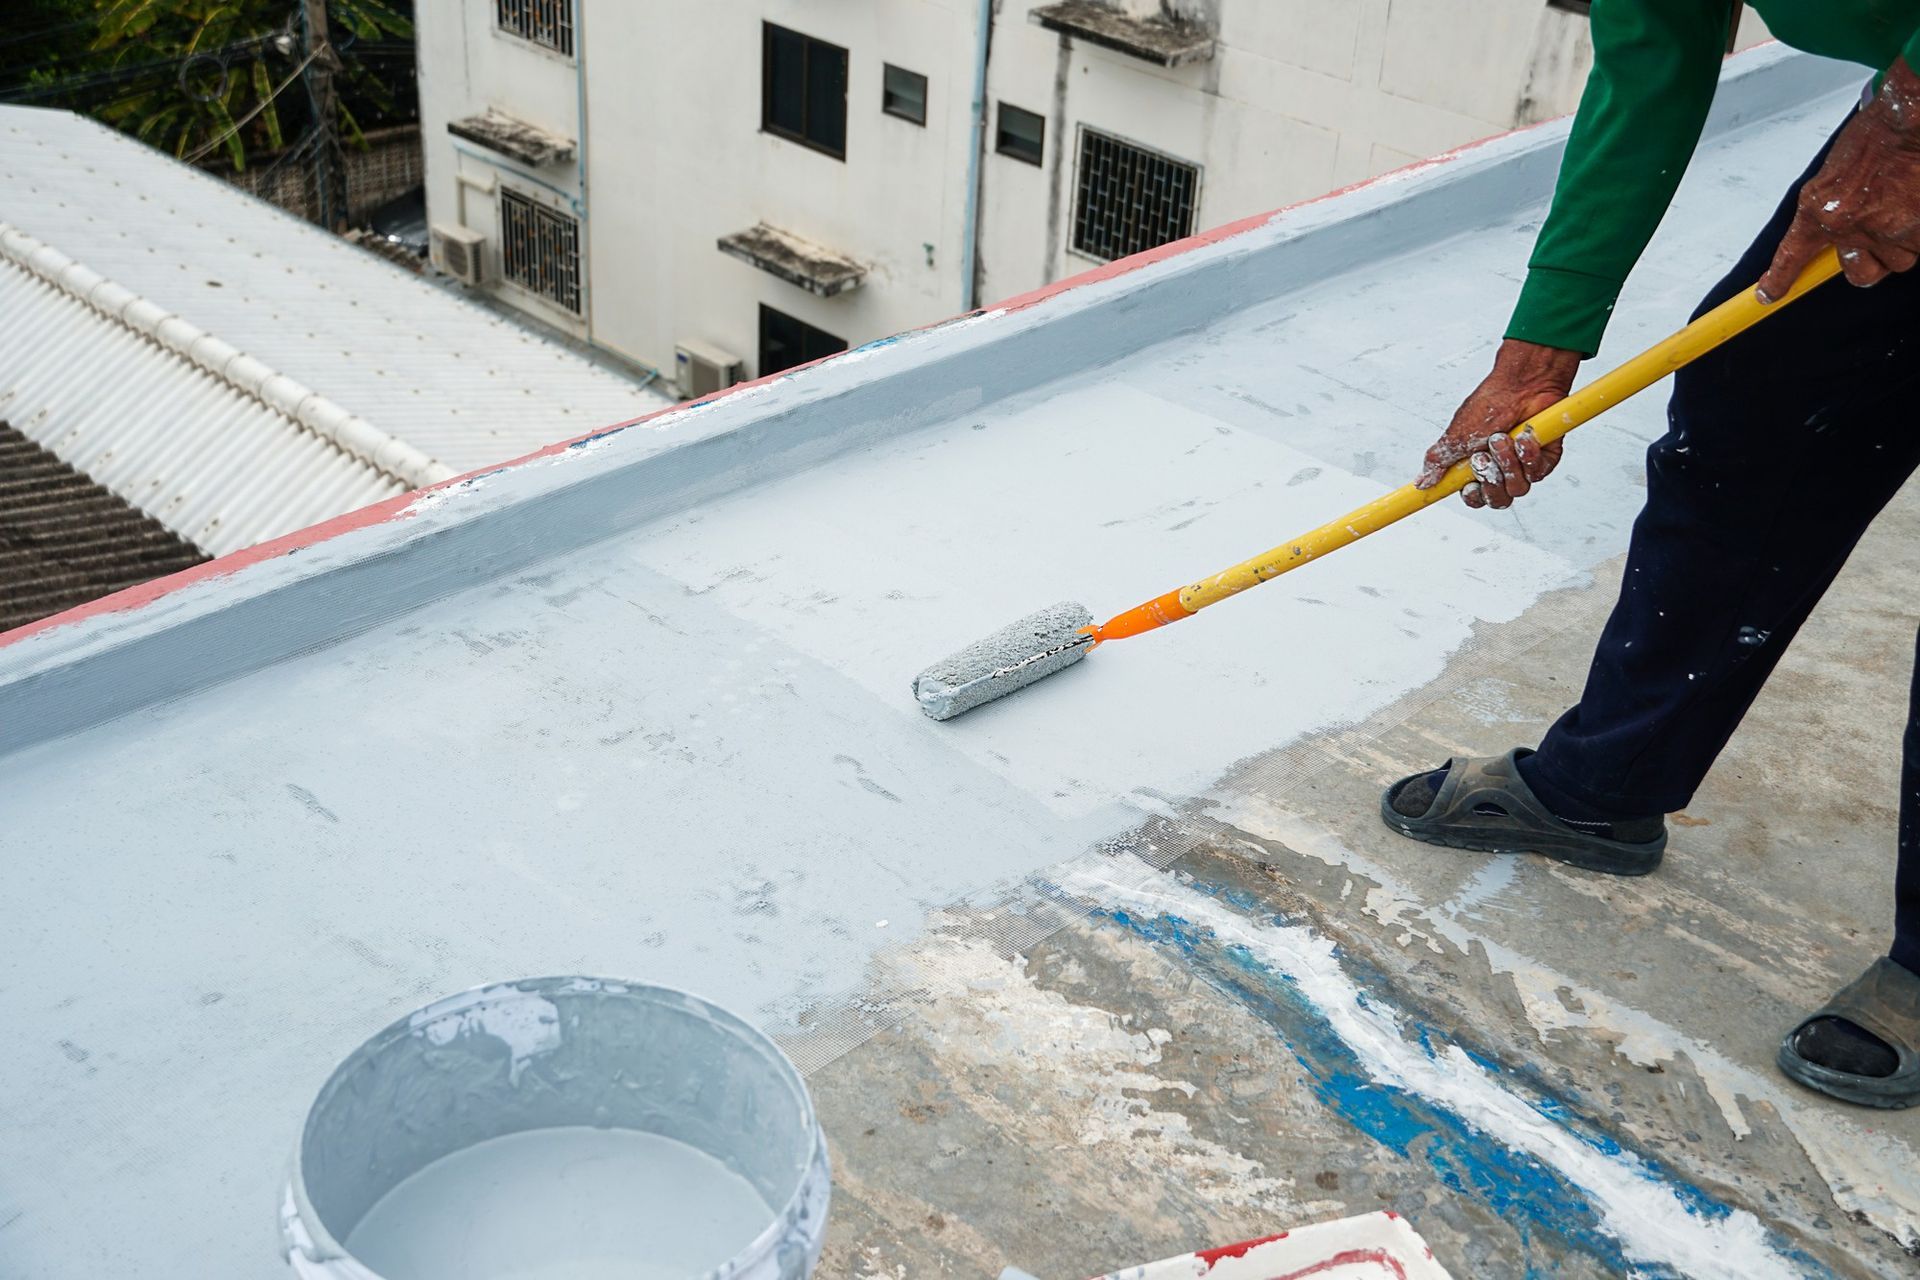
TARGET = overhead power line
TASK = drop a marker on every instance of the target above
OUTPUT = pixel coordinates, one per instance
(80, 83)
(28, 37)
(260, 106)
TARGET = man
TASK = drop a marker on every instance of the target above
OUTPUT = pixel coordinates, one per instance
(1782, 447)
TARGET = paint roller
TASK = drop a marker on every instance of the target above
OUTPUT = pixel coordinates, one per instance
(1057, 637)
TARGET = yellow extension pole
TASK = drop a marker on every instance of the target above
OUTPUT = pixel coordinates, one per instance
(1734, 316)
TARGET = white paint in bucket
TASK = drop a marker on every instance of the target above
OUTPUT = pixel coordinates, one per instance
(575, 1203)
(560, 1129)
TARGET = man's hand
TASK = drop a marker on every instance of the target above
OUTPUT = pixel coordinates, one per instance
(1526, 379)
(1866, 198)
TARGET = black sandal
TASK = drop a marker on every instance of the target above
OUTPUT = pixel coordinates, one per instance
(1884, 1002)
(1484, 804)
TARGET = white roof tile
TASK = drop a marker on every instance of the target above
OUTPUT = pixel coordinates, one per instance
(217, 466)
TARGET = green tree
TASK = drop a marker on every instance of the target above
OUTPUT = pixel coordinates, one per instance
(199, 76)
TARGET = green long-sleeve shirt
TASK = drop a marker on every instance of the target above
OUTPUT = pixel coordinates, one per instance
(1655, 65)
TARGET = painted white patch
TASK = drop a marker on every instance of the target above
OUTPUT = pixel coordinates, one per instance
(1635, 1207)
(1108, 495)
(986, 1010)
(430, 501)
(527, 1026)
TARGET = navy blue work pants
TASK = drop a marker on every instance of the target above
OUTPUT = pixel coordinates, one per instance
(1781, 448)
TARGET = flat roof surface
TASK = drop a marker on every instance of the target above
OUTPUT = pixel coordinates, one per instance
(640, 707)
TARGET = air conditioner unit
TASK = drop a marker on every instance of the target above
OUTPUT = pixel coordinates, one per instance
(700, 370)
(457, 251)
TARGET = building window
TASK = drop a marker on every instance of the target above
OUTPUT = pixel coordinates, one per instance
(1022, 134)
(547, 23)
(540, 250)
(786, 342)
(1128, 199)
(803, 94)
(905, 95)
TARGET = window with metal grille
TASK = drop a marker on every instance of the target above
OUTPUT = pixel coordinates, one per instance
(547, 23)
(540, 249)
(1129, 199)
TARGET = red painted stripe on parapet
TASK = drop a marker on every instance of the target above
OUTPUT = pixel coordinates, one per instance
(1241, 1250)
(1122, 266)
(378, 513)
(234, 561)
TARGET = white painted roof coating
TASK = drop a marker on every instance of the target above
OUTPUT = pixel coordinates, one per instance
(640, 707)
(463, 386)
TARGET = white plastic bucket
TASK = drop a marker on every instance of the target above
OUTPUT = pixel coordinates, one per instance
(563, 1126)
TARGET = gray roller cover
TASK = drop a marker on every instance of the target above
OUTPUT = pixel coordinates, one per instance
(1011, 658)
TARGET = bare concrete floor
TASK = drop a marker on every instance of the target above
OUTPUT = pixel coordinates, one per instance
(1127, 1089)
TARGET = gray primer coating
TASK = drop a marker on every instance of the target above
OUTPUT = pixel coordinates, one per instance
(1011, 658)
(552, 1052)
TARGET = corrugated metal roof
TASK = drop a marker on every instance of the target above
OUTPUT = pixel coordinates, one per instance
(65, 539)
(442, 374)
(221, 468)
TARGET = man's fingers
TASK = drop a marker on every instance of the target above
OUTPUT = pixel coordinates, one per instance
(1862, 267)
(1493, 483)
(1442, 455)
(1507, 454)
(1798, 247)
(1896, 258)
(1473, 497)
(1534, 463)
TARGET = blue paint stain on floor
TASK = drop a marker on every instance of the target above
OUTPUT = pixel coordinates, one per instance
(1527, 1193)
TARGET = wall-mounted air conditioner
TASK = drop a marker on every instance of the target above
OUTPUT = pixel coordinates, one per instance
(700, 370)
(457, 251)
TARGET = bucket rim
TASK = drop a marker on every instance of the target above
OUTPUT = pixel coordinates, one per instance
(309, 1240)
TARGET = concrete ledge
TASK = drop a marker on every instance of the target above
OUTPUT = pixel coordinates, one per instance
(1157, 40)
(819, 271)
(516, 139)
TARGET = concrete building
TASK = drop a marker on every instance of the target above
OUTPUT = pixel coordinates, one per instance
(720, 190)
(1118, 968)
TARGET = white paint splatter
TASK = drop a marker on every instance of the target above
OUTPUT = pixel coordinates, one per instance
(987, 1010)
(1868, 1173)
(1634, 1205)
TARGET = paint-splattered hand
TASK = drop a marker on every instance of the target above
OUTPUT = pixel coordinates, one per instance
(1526, 379)
(1865, 201)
